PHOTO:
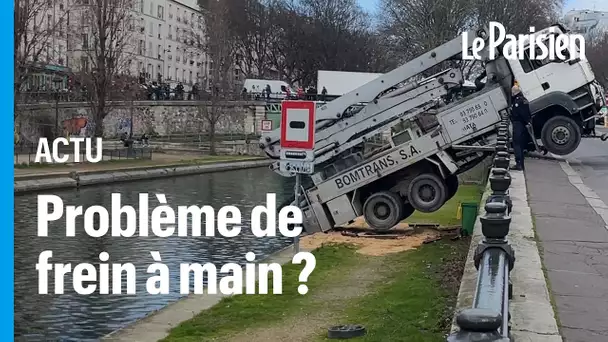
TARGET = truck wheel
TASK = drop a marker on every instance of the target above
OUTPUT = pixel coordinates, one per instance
(383, 210)
(561, 135)
(427, 192)
(451, 183)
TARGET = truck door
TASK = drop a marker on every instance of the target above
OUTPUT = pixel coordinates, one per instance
(523, 73)
(560, 75)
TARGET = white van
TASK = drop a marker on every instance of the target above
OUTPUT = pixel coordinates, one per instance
(278, 89)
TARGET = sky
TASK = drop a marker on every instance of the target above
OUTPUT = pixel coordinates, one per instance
(600, 5)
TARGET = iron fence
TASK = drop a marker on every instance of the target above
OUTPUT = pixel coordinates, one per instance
(25, 153)
(33, 97)
(489, 317)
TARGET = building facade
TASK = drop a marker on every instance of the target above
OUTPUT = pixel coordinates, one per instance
(586, 21)
(165, 40)
(42, 46)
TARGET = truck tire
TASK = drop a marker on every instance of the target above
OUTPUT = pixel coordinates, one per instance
(561, 135)
(451, 183)
(383, 210)
(427, 192)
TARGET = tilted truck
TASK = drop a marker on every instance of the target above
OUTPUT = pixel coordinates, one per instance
(435, 135)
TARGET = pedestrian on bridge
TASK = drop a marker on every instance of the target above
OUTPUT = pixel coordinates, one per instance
(520, 118)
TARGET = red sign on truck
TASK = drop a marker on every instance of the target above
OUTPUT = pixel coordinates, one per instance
(298, 124)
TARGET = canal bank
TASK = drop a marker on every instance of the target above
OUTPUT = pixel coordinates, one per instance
(156, 325)
(45, 181)
(356, 280)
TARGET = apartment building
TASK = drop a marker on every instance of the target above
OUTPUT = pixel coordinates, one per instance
(168, 39)
(164, 41)
(42, 45)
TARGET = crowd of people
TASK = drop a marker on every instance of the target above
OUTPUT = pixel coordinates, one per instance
(285, 93)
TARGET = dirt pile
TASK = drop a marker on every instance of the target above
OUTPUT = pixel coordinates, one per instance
(369, 245)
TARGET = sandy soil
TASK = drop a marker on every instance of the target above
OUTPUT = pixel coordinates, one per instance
(368, 246)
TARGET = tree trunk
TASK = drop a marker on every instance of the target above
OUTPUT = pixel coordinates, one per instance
(212, 138)
(99, 116)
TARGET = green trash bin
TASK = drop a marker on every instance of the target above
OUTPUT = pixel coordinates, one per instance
(469, 216)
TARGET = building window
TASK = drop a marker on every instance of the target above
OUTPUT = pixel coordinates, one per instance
(160, 28)
(160, 52)
(141, 6)
(152, 8)
(84, 62)
(151, 29)
(150, 52)
(170, 35)
(160, 12)
(170, 11)
(85, 41)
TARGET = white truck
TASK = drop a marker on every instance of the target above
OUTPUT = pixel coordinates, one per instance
(435, 135)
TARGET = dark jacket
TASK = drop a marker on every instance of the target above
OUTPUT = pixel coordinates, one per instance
(520, 109)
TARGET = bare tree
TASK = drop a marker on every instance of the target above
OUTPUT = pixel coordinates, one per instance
(518, 15)
(37, 24)
(219, 43)
(289, 49)
(597, 50)
(311, 35)
(415, 26)
(251, 22)
(106, 51)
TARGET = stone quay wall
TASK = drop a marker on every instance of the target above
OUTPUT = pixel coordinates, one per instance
(156, 118)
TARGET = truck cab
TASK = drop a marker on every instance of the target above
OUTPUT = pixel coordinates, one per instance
(562, 95)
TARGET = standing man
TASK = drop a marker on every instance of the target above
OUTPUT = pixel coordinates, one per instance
(520, 118)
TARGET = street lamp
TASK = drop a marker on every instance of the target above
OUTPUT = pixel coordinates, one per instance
(57, 81)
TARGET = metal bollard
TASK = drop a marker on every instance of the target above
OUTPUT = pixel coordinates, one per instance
(501, 148)
(494, 258)
(502, 159)
(477, 325)
(500, 180)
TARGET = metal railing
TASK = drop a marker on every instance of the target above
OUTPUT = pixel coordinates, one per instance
(25, 154)
(489, 317)
(32, 97)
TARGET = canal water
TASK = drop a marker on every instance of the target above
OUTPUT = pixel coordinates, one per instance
(74, 317)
